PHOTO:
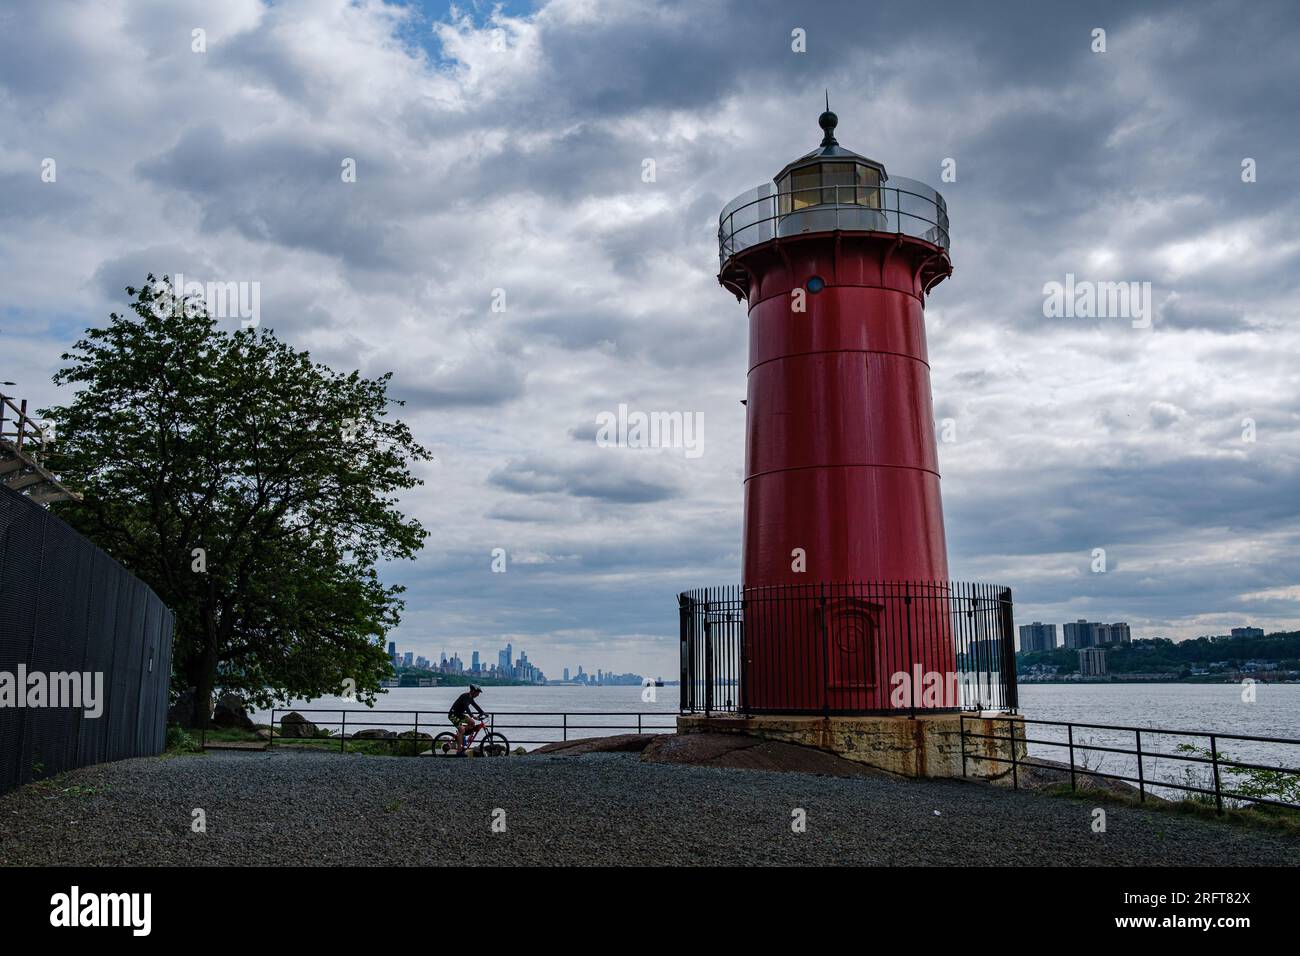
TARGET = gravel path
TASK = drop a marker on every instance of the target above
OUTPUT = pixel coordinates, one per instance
(305, 808)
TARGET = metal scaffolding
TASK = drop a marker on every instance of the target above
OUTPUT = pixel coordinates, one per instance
(24, 445)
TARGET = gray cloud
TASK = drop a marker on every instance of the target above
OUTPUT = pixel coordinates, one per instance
(520, 170)
(605, 475)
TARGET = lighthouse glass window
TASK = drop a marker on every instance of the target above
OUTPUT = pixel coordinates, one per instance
(801, 188)
(838, 183)
(868, 191)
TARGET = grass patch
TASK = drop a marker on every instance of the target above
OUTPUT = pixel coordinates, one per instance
(326, 740)
(181, 741)
(228, 735)
(365, 747)
(1278, 819)
(52, 787)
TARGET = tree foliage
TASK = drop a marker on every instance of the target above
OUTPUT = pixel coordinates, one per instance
(252, 489)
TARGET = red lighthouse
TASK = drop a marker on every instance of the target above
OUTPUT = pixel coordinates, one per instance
(835, 259)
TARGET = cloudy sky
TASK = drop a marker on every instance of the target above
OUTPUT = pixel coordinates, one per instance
(502, 148)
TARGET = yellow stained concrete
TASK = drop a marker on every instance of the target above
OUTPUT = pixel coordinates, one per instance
(923, 746)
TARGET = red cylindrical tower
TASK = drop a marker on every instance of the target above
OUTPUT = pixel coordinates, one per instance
(835, 259)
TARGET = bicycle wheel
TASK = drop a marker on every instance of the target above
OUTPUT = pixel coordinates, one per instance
(444, 745)
(494, 745)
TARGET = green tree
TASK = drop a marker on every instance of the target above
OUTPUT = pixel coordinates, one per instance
(252, 489)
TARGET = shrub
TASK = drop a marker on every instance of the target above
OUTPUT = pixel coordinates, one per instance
(179, 740)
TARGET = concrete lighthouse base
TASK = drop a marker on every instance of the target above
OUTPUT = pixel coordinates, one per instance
(927, 745)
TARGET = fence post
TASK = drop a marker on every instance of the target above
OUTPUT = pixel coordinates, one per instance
(565, 715)
(343, 732)
(684, 651)
(270, 741)
(742, 692)
(638, 722)
(1069, 730)
(708, 662)
(1214, 756)
(1142, 787)
(1007, 638)
(911, 649)
(826, 653)
(415, 743)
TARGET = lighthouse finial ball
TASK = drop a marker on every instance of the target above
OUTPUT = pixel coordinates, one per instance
(828, 121)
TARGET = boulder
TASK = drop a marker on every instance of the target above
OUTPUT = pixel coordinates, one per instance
(373, 733)
(182, 712)
(751, 753)
(419, 735)
(615, 743)
(230, 712)
(295, 724)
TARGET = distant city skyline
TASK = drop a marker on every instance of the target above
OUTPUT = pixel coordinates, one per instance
(1082, 634)
(507, 667)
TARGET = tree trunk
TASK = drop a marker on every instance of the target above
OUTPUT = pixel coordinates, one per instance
(204, 678)
(204, 687)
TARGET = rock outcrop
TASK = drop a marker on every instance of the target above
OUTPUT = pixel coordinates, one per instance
(295, 724)
(230, 712)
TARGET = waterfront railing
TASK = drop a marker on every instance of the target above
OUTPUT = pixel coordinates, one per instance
(526, 728)
(1203, 767)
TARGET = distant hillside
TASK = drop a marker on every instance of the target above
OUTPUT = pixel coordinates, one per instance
(1161, 655)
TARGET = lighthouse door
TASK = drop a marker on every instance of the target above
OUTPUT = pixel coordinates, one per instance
(852, 627)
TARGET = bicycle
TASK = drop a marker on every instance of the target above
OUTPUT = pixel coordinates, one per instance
(493, 744)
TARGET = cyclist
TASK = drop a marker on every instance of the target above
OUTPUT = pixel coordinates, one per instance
(459, 715)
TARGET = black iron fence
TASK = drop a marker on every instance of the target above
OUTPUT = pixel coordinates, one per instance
(853, 648)
(1200, 767)
(411, 729)
(94, 636)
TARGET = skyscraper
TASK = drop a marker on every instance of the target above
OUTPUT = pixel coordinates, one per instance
(1080, 634)
(1092, 662)
(1037, 637)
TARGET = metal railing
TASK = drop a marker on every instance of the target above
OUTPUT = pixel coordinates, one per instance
(1213, 758)
(566, 724)
(908, 208)
(852, 648)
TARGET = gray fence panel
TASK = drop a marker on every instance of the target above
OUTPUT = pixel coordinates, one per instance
(102, 632)
(125, 673)
(52, 731)
(20, 567)
(162, 676)
(66, 607)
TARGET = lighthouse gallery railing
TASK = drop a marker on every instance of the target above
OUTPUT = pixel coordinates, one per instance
(850, 648)
(905, 207)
